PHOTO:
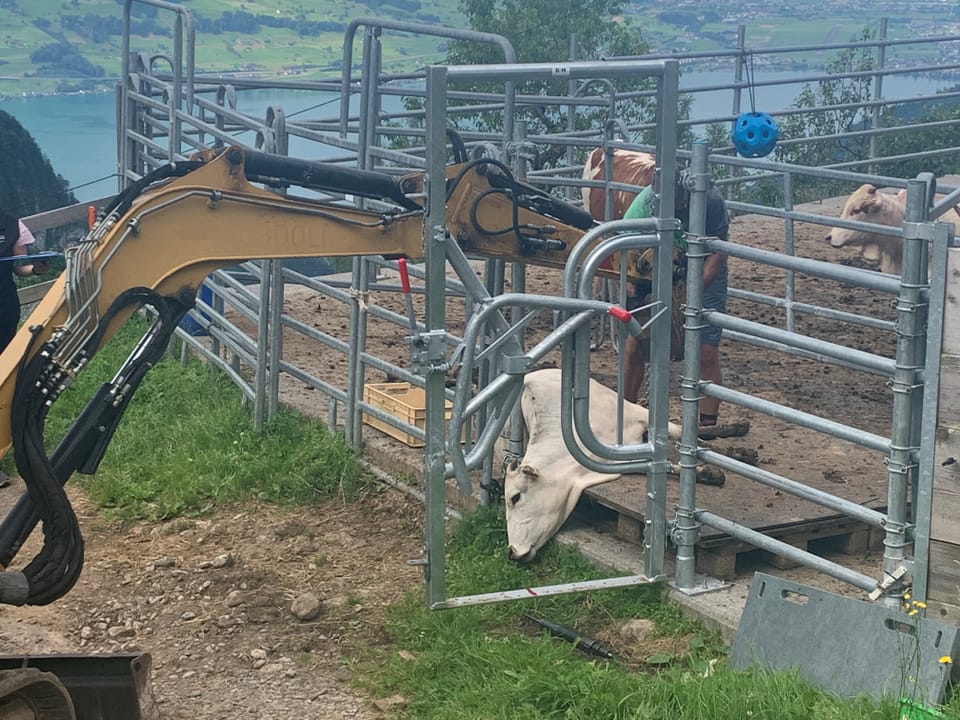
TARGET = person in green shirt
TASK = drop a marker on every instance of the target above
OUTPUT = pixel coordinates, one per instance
(637, 349)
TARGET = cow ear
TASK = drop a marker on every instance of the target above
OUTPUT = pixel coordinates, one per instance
(530, 472)
(514, 464)
(871, 189)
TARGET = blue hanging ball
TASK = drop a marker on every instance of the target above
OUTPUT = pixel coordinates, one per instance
(755, 134)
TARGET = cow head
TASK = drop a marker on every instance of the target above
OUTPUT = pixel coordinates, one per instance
(868, 205)
(536, 507)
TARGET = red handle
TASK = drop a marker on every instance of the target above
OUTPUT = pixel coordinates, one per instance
(404, 275)
(621, 314)
(91, 216)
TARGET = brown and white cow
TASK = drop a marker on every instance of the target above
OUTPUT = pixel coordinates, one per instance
(869, 205)
(630, 167)
(542, 488)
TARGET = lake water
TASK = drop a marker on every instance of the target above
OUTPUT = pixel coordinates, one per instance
(78, 132)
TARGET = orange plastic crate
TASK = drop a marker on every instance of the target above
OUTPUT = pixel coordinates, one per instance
(405, 402)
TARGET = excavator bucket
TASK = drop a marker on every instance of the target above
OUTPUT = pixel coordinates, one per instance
(100, 687)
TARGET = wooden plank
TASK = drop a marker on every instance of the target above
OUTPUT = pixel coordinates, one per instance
(949, 398)
(62, 216)
(34, 293)
(945, 514)
(779, 561)
(768, 509)
(943, 584)
(717, 564)
(852, 543)
(629, 529)
(943, 612)
(951, 308)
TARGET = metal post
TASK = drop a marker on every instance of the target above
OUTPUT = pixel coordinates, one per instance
(654, 542)
(686, 529)
(369, 79)
(518, 282)
(877, 119)
(738, 69)
(572, 110)
(909, 363)
(351, 425)
(368, 75)
(929, 415)
(276, 121)
(372, 117)
(435, 350)
(789, 247)
(263, 344)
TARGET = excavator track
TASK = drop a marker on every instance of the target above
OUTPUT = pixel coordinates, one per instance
(76, 687)
(31, 694)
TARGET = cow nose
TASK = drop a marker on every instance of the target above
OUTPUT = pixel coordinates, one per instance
(828, 239)
(517, 557)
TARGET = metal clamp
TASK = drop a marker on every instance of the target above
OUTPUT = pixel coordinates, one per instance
(888, 581)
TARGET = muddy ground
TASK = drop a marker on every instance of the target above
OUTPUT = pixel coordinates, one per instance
(211, 598)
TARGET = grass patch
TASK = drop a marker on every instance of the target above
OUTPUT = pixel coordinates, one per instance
(487, 662)
(186, 444)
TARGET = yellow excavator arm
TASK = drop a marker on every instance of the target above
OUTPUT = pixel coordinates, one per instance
(173, 236)
(154, 245)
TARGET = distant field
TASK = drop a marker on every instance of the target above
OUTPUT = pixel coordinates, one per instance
(274, 52)
(784, 32)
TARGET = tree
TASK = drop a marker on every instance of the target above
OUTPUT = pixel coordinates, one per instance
(540, 31)
(842, 97)
(924, 138)
(28, 184)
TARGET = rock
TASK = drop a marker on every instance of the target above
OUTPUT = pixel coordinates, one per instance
(164, 562)
(188, 615)
(259, 663)
(258, 653)
(637, 629)
(120, 631)
(306, 607)
(271, 668)
(86, 632)
(234, 598)
(222, 561)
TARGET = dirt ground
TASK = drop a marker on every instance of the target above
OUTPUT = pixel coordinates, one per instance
(210, 599)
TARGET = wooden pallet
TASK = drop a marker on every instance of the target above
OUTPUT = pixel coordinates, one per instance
(784, 517)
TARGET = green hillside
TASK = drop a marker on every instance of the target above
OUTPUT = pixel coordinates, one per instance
(57, 46)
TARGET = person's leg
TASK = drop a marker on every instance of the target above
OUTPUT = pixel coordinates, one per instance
(714, 298)
(710, 370)
(634, 368)
(636, 350)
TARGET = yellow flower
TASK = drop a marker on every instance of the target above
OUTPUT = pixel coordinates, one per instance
(906, 596)
(912, 613)
(921, 605)
(946, 660)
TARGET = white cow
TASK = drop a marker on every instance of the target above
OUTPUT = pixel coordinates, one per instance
(878, 208)
(542, 488)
